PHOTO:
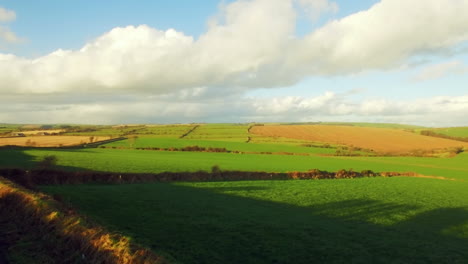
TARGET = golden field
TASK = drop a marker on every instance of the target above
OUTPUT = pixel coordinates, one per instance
(377, 139)
(49, 141)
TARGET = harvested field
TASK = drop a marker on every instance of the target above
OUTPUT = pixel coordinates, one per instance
(49, 141)
(35, 132)
(377, 139)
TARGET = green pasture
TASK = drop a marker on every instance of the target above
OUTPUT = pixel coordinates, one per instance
(147, 161)
(461, 132)
(153, 142)
(171, 131)
(369, 220)
(226, 132)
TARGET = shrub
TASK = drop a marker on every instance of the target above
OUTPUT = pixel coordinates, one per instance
(48, 162)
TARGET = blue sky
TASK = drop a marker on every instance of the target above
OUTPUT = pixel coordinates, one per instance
(321, 60)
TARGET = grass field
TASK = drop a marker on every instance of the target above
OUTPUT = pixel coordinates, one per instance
(155, 142)
(461, 132)
(326, 221)
(225, 132)
(378, 139)
(128, 160)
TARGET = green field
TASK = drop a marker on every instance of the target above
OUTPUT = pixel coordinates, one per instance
(461, 132)
(225, 132)
(128, 160)
(374, 220)
(154, 142)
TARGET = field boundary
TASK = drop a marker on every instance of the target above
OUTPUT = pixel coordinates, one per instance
(190, 131)
(30, 179)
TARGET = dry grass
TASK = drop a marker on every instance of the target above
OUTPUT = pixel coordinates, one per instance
(43, 231)
(34, 132)
(49, 141)
(377, 139)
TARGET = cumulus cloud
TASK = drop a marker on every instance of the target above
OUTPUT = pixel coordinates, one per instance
(440, 110)
(6, 35)
(7, 15)
(142, 74)
(385, 36)
(440, 70)
(315, 8)
(330, 106)
(251, 44)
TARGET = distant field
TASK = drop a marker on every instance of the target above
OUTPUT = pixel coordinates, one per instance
(171, 131)
(227, 132)
(48, 141)
(156, 142)
(377, 139)
(34, 132)
(377, 125)
(461, 132)
(373, 220)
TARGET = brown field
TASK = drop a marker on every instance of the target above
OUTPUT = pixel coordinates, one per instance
(34, 132)
(48, 141)
(377, 139)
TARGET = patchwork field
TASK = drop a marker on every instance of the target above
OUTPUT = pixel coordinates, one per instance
(377, 139)
(420, 219)
(49, 141)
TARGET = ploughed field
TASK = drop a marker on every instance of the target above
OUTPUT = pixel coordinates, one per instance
(371, 138)
(368, 220)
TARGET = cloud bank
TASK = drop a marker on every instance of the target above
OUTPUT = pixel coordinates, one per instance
(248, 45)
(251, 45)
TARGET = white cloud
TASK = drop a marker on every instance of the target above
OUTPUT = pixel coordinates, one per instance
(108, 109)
(251, 45)
(440, 70)
(7, 15)
(8, 36)
(156, 74)
(315, 8)
(385, 36)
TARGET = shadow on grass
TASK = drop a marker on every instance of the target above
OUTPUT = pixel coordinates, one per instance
(16, 157)
(197, 225)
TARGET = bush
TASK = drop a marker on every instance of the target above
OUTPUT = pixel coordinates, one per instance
(48, 162)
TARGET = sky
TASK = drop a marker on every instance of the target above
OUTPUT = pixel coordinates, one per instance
(128, 62)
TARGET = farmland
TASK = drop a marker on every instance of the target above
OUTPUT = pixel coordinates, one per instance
(49, 141)
(378, 139)
(460, 132)
(331, 221)
(367, 220)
